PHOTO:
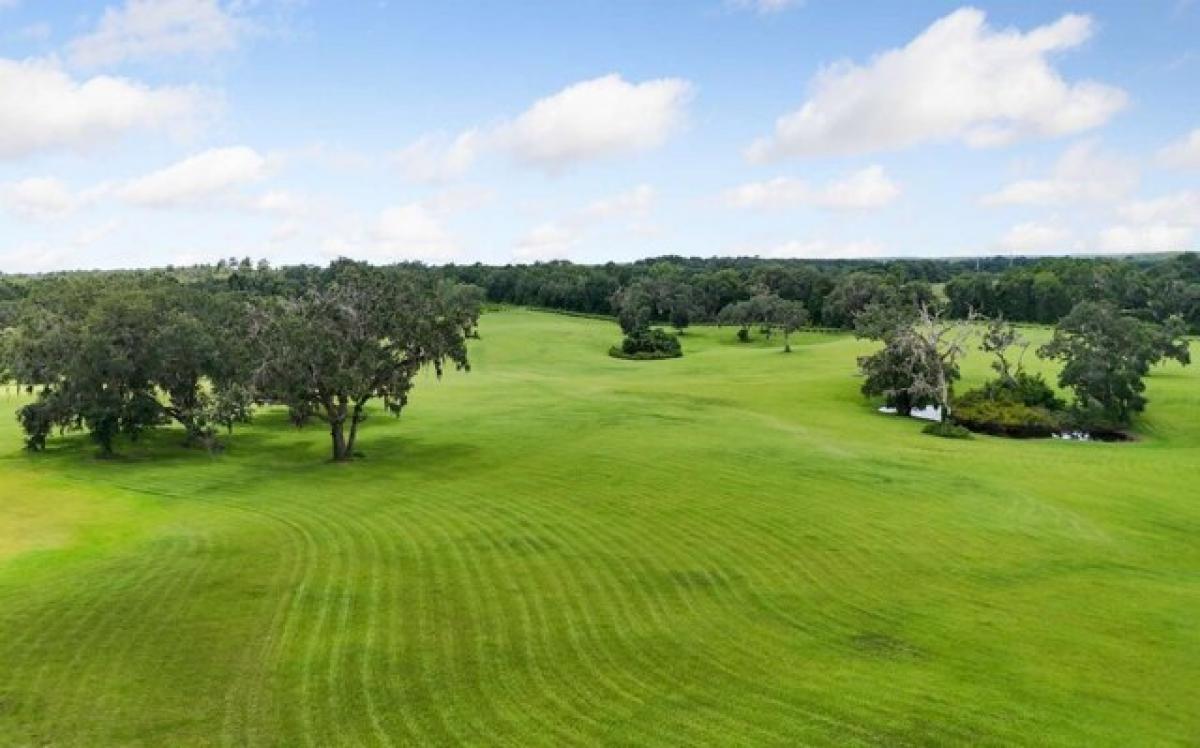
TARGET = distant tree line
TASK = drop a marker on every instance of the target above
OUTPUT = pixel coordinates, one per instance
(690, 290)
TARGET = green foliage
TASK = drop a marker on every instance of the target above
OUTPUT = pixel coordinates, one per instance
(769, 313)
(946, 430)
(984, 411)
(1106, 355)
(919, 361)
(647, 344)
(365, 335)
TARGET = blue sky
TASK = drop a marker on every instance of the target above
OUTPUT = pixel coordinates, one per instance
(150, 132)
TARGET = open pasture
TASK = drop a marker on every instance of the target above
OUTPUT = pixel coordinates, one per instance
(564, 548)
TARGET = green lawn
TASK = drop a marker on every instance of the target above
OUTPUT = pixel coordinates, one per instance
(564, 548)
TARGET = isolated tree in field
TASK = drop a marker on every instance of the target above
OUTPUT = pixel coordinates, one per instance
(1106, 355)
(919, 362)
(365, 335)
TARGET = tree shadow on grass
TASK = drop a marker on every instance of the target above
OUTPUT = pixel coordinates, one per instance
(269, 449)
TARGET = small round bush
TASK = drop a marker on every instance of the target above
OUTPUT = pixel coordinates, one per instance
(947, 430)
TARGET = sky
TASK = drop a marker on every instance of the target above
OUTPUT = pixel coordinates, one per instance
(139, 133)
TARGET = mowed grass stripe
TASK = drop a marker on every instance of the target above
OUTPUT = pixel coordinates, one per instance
(561, 548)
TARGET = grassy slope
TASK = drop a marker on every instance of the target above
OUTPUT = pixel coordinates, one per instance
(563, 547)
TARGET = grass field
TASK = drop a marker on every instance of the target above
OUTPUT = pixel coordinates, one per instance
(564, 548)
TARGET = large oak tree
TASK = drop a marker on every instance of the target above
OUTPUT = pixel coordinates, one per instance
(363, 335)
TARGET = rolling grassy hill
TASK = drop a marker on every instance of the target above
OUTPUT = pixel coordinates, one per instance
(564, 548)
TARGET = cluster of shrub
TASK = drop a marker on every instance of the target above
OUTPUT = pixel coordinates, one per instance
(1105, 355)
(117, 354)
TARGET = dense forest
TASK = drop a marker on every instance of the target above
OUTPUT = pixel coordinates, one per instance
(1018, 289)
(1154, 287)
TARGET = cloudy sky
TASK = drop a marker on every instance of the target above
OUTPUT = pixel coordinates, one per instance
(150, 132)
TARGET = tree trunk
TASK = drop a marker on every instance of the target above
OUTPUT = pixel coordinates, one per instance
(337, 434)
(355, 419)
(336, 415)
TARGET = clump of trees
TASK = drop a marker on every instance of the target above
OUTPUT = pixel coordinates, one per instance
(659, 298)
(122, 357)
(919, 361)
(1016, 403)
(1105, 357)
(769, 313)
(119, 354)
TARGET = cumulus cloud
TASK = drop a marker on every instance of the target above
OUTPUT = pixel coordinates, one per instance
(631, 204)
(1180, 207)
(1083, 174)
(555, 239)
(1183, 153)
(1158, 237)
(437, 158)
(43, 255)
(39, 198)
(1167, 223)
(862, 190)
(197, 178)
(549, 241)
(1037, 238)
(42, 107)
(409, 231)
(593, 119)
(605, 116)
(959, 80)
(146, 29)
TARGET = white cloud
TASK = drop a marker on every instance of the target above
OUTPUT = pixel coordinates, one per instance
(1157, 237)
(1167, 223)
(555, 239)
(1037, 238)
(1180, 207)
(41, 107)
(411, 231)
(634, 203)
(41, 256)
(436, 158)
(862, 190)
(39, 198)
(596, 118)
(1183, 153)
(145, 29)
(766, 7)
(197, 178)
(821, 249)
(958, 80)
(592, 119)
(1083, 174)
(549, 241)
